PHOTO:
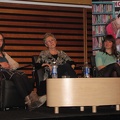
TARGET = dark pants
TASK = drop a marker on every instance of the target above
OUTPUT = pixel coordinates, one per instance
(67, 70)
(21, 81)
(109, 70)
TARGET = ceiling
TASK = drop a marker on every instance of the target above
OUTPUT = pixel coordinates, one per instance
(78, 2)
(64, 3)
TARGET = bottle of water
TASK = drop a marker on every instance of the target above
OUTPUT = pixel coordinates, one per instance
(86, 70)
(54, 70)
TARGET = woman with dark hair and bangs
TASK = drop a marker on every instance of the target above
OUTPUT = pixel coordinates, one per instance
(106, 58)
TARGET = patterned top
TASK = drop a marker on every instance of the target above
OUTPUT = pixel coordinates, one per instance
(46, 57)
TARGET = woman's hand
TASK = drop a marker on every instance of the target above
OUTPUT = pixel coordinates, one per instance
(46, 64)
(5, 65)
(73, 66)
(101, 67)
(118, 64)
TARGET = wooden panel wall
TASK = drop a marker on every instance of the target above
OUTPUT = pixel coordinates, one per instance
(24, 26)
(88, 36)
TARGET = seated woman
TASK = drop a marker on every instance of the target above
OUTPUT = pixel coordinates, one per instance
(23, 85)
(64, 62)
(106, 59)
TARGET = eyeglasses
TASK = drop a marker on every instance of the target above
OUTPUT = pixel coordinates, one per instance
(49, 41)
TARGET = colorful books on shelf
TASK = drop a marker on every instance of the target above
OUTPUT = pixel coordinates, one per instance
(102, 12)
(97, 30)
(97, 43)
(100, 19)
(102, 8)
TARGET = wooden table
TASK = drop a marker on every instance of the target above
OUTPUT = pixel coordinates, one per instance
(63, 92)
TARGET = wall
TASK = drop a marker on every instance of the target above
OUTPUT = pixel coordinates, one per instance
(24, 25)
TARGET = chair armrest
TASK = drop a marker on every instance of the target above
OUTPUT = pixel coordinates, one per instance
(24, 66)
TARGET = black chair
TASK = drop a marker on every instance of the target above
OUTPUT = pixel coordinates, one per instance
(38, 75)
(9, 96)
(94, 70)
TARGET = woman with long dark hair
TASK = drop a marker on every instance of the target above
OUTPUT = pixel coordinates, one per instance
(106, 59)
(23, 85)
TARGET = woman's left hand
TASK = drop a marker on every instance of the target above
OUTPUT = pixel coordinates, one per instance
(118, 64)
(5, 65)
(73, 66)
(46, 64)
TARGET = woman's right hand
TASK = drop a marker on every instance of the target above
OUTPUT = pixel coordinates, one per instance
(46, 64)
(5, 65)
(118, 64)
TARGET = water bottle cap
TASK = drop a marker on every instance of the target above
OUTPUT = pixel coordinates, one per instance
(54, 62)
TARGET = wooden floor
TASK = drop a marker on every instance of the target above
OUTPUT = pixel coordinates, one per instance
(68, 113)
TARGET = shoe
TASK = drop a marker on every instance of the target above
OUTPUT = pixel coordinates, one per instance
(30, 104)
(38, 103)
(34, 105)
(42, 100)
(27, 100)
(33, 96)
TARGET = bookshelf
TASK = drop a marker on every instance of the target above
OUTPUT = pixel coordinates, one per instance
(102, 12)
